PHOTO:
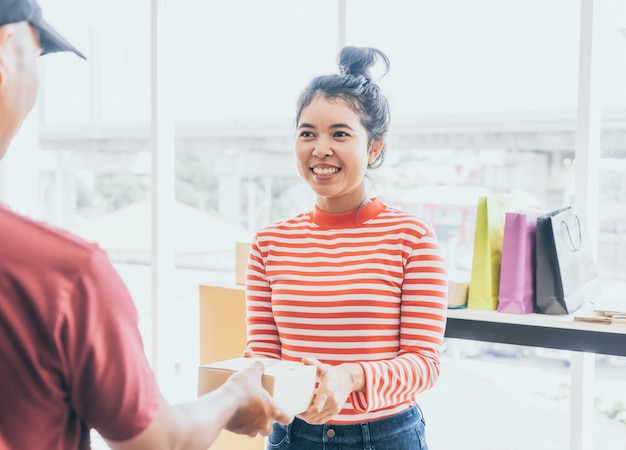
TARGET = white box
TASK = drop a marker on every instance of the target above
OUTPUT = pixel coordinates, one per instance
(290, 383)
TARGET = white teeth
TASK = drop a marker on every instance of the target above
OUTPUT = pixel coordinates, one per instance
(325, 170)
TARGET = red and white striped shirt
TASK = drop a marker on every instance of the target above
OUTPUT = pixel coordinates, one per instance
(367, 287)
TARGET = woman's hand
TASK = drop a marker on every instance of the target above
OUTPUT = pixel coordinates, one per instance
(247, 353)
(336, 383)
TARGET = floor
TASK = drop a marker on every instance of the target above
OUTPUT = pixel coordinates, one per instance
(514, 403)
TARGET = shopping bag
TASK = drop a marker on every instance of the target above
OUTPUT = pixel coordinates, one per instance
(566, 270)
(517, 267)
(485, 275)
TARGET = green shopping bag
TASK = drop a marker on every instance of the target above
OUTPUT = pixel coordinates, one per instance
(484, 284)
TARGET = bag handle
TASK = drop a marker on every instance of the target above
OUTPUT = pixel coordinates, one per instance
(565, 227)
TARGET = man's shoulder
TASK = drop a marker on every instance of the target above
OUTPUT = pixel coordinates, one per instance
(31, 238)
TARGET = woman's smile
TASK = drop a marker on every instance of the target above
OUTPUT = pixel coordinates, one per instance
(325, 171)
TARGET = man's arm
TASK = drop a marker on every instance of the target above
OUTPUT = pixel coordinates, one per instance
(241, 405)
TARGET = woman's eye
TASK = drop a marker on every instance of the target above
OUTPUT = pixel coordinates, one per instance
(306, 134)
(340, 134)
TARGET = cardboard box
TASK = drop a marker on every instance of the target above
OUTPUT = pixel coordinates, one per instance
(290, 383)
(222, 322)
(458, 287)
(222, 312)
(242, 251)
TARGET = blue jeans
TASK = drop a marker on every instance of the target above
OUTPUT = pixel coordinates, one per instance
(404, 431)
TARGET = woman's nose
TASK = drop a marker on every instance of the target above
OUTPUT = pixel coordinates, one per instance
(322, 149)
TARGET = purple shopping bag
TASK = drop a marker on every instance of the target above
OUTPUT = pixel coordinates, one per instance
(517, 269)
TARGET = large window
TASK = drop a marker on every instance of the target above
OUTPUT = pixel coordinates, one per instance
(483, 96)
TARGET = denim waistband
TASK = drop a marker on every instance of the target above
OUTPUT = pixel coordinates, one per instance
(375, 429)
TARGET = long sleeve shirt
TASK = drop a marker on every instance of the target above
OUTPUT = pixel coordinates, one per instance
(368, 286)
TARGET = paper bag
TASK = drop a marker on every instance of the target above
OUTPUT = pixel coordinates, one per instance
(517, 267)
(485, 275)
(566, 276)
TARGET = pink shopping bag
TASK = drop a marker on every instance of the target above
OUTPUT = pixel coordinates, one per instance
(517, 268)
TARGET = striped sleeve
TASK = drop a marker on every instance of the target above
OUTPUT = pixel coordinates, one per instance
(262, 333)
(422, 320)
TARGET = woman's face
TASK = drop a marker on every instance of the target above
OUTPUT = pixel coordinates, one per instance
(333, 152)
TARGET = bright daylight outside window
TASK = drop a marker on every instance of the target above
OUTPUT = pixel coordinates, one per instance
(483, 99)
(234, 104)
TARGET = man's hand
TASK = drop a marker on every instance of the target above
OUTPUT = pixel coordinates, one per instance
(257, 410)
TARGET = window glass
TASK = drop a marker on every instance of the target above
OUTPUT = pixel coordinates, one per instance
(478, 103)
(483, 98)
(237, 68)
(611, 65)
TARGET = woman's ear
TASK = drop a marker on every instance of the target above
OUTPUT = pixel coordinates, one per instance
(375, 148)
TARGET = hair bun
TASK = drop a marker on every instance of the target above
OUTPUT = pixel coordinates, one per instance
(358, 60)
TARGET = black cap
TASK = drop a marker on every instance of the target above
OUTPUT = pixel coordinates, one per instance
(12, 11)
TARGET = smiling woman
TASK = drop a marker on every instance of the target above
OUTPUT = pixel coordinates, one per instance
(355, 287)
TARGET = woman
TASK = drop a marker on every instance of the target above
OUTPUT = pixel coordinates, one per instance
(354, 287)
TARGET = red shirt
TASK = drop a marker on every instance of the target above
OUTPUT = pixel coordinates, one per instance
(71, 356)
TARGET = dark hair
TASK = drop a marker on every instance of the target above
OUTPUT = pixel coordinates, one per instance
(354, 86)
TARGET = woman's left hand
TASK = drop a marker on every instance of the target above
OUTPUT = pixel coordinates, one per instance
(336, 383)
